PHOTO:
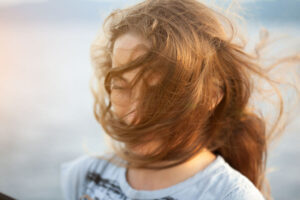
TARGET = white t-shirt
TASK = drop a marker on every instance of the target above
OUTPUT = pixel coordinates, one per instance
(103, 180)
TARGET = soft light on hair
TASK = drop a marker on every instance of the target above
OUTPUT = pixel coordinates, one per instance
(202, 98)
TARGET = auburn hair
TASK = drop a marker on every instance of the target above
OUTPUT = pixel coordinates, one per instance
(203, 97)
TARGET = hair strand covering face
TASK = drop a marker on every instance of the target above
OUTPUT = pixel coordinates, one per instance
(202, 97)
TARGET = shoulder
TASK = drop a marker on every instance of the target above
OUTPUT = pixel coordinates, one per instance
(226, 183)
(244, 191)
(240, 187)
(73, 173)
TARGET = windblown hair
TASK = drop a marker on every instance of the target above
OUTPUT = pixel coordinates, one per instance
(203, 96)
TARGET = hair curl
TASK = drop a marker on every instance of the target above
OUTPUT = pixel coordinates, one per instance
(198, 53)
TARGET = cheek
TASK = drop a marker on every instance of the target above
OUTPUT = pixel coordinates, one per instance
(120, 98)
(122, 105)
(124, 97)
(120, 102)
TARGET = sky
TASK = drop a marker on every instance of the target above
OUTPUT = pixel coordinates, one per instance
(17, 2)
(60, 11)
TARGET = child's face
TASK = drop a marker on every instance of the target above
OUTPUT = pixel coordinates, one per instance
(124, 102)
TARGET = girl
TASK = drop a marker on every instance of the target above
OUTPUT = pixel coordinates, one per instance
(173, 89)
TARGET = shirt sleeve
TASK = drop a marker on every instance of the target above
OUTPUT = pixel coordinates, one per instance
(244, 193)
(72, 176)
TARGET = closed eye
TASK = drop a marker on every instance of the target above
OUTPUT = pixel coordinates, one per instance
(118, 84)
(117, 87)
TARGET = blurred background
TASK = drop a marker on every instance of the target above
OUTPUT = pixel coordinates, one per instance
(46, 115)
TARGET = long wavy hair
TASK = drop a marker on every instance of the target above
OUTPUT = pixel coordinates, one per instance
(202, 99)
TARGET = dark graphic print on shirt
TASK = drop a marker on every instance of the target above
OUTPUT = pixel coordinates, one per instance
(99, 188)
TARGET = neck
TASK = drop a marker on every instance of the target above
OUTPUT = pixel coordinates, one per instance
(139, 178)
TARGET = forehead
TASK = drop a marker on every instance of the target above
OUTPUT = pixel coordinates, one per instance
(127, 47)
